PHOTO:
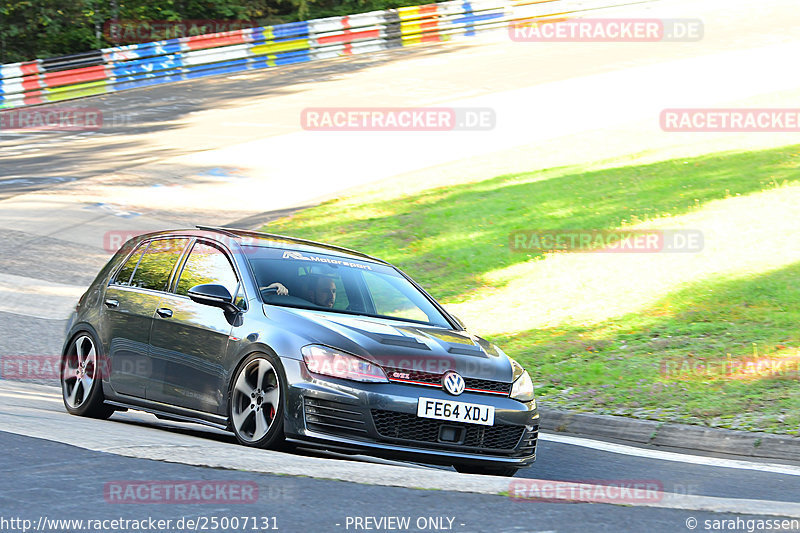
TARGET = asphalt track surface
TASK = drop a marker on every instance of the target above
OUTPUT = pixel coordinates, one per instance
(206, 141)
(293, 503)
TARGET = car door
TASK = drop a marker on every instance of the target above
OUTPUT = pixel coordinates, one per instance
(130, 302)
(189, 340)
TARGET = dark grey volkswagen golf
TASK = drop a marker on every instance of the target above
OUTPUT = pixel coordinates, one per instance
(284, 341)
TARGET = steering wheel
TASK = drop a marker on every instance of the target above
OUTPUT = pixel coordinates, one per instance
(268, 290)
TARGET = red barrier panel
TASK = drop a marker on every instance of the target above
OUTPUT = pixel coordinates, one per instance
(31, 67)
(200, 42)
(77, 75)
(30, 83)
(348, 36)
(348, 48)
(34, 98)
(430, 25)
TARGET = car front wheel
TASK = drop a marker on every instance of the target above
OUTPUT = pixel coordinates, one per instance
(256, 402)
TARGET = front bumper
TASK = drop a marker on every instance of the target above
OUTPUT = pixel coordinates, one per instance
(380, 419)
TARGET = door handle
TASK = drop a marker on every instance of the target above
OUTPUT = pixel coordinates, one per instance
(112, 303)
(163, 312)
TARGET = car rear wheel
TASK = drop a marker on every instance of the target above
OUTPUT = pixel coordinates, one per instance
(487, 470)
(256, 402)
(81, 375)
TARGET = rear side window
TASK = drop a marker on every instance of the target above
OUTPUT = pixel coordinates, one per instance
(125, 273)
(207, 264)
(157, 263)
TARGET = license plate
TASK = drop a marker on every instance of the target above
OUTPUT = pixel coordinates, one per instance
(471, 413)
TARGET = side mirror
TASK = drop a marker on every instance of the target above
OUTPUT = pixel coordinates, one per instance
(213, 295)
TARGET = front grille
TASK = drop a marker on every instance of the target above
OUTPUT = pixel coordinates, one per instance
(488, 385)
(418, 377)
(495, 437)
(392, 425)
(333, 417)
(414, 375)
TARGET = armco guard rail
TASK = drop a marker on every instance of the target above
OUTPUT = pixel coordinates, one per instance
(126, 67)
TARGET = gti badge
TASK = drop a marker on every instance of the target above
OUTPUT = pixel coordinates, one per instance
(453, 383)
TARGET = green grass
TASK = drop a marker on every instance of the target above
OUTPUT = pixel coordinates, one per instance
(605, 334)
(670, 362)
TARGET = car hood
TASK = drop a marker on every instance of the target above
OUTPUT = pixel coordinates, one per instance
(395, 344)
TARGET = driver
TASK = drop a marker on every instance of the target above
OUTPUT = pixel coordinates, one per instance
(324, 292)
(319, 290)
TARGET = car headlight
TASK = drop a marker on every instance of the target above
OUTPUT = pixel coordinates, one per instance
(522, 390)
(329, 362)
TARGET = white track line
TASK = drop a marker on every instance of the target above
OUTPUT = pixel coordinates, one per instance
(648, 453)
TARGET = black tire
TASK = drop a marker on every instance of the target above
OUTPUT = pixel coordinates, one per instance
(82, 368)
(243, 418)
(505, 471)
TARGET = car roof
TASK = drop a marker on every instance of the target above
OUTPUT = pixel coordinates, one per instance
(255, 238)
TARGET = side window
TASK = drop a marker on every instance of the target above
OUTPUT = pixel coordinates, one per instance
(125, 273)
(207, 264)
(157, 263)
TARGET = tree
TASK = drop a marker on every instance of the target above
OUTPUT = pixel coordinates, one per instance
(31, 29)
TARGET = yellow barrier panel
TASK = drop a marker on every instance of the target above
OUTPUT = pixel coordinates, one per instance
(92, 88)
(279, 47)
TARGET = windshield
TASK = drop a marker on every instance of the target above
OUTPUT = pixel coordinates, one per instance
(308, 280)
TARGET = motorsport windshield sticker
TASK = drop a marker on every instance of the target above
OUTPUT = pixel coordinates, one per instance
(318, 259)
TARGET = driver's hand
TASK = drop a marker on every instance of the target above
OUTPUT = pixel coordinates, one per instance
(283, 291)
